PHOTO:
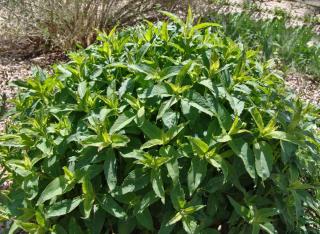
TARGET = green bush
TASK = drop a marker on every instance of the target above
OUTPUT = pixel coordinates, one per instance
(160, 129)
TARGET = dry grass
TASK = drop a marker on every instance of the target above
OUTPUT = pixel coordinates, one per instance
(64, 23)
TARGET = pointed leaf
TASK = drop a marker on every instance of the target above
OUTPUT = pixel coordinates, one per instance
(198, 146)
(58, 186)
(197, 172)
(62, 207)
(111, 206)
(173, 17)
(89, 196)
(151, 143)
(242, 149)
(157, 185)
(151, 130)
(263, 159)
(145, 219)
(242, 211)
(122, 121)
(110, 169)
(177, 197)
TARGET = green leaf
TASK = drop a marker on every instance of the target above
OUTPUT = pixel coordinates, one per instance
(58, 186)
(82, 89)
(122, 121)
(218, 162)
(168, 72)
(242, 149)
(126, 226)
(151, 130)
(172, 165)
(183, 72)
(236, 104)
(145, 219)
(97, 221)
(280, 135)
(88, 197)
(164, 31)
(111, 206)
(192, 209)
(268, 228)
(146, 201)
(242, 211)
(11, 140)
(151, 143)
(110, 169)
(189, 224)
(175, 219)
(165, 227)
(58, 229)
(263, 159)
(197, 172)
(198, 146)
(288, 150)
(173, 17)
(157, 184)
(255, 229)
(62, 207)
(157, 90)
(143, 50)
(135, 154)
(197, 101)
(73, 227)
(177, 196)
(119, 140)
(205, 25)
(190, 19)
(142, 68)
(257, 118)
(135, 181)
(174, 131)
(165, 106)
(173, 169)
(28, 227)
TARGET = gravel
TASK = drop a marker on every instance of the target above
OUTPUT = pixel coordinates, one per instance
(305, 86)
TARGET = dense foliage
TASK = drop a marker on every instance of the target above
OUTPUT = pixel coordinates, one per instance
(294, 46)
(159, 129)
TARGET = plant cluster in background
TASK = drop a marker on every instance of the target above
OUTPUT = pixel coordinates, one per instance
(166, 128)
(296, 47)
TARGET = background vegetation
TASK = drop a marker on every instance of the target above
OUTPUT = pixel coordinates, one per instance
(295, 47)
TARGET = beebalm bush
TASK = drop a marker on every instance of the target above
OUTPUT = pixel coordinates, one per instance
(160, 129)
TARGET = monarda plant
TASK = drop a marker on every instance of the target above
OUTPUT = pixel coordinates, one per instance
(161, 128)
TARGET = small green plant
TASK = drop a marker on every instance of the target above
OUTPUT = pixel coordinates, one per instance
(276, 39)
(161, 128)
